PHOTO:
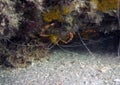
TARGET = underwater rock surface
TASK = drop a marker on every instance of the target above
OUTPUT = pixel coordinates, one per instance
(30, 27)
(75, 42)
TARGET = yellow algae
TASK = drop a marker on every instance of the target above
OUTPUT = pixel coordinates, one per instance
(56, 13)
(106, 5)
(54, 39)
(65, 10)
(52, 14)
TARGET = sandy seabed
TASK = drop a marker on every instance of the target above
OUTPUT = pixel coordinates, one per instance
(66, 68)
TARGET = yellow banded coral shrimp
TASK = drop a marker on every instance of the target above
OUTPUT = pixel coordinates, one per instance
(56, 33)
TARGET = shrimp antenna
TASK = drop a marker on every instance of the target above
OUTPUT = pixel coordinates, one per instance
(82, 41)
(119, 26)
(90, 52)
(50, 46)
(64, 50)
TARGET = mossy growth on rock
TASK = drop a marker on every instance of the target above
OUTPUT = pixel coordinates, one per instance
(19, 24)
(19, 56)
(52, 14)
(106, 5)
(56, 13)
